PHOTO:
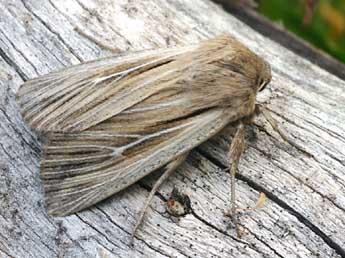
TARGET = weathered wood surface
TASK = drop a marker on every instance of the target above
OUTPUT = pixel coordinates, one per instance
(305, 213)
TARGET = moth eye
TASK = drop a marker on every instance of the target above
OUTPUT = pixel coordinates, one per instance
(262, 84)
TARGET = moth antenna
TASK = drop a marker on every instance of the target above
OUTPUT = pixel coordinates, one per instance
(281, 132)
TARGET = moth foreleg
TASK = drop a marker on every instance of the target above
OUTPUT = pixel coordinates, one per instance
(169, 169)
(235, 152)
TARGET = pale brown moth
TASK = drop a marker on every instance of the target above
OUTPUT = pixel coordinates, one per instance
(112, 121)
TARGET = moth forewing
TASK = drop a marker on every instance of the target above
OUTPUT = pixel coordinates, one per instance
(81, 169)
(112, 121)
(57, 101)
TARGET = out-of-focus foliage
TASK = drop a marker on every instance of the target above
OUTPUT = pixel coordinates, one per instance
(323, 26)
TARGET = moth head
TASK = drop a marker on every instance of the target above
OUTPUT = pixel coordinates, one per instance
(264, 77)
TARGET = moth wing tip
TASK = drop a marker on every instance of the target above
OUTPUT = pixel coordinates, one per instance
(55, 213)
(53, 208)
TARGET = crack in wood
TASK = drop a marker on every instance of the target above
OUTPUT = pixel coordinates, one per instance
(121, 228)
(32, 145)
(23, 76)
(266, 244)
(47, 26)
(160, 195)
(95, 229)
(38, 236)
(339, 250)
(13, 64)
(6, 253)
(299, 180)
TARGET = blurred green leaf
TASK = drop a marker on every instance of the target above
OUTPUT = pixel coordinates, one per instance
(326, 29)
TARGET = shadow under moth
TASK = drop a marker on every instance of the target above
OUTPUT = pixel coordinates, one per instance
(112, 121)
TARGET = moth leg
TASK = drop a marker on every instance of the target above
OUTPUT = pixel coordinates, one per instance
(280, 131)
(96, 41)
(169, 169)
(236, 149)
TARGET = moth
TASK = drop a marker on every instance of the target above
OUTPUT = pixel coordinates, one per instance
(112, 121)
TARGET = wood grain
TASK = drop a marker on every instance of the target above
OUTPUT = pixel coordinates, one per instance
(305, 212)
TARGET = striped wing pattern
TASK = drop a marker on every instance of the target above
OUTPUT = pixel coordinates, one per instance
(84, 95)
(81, 169)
